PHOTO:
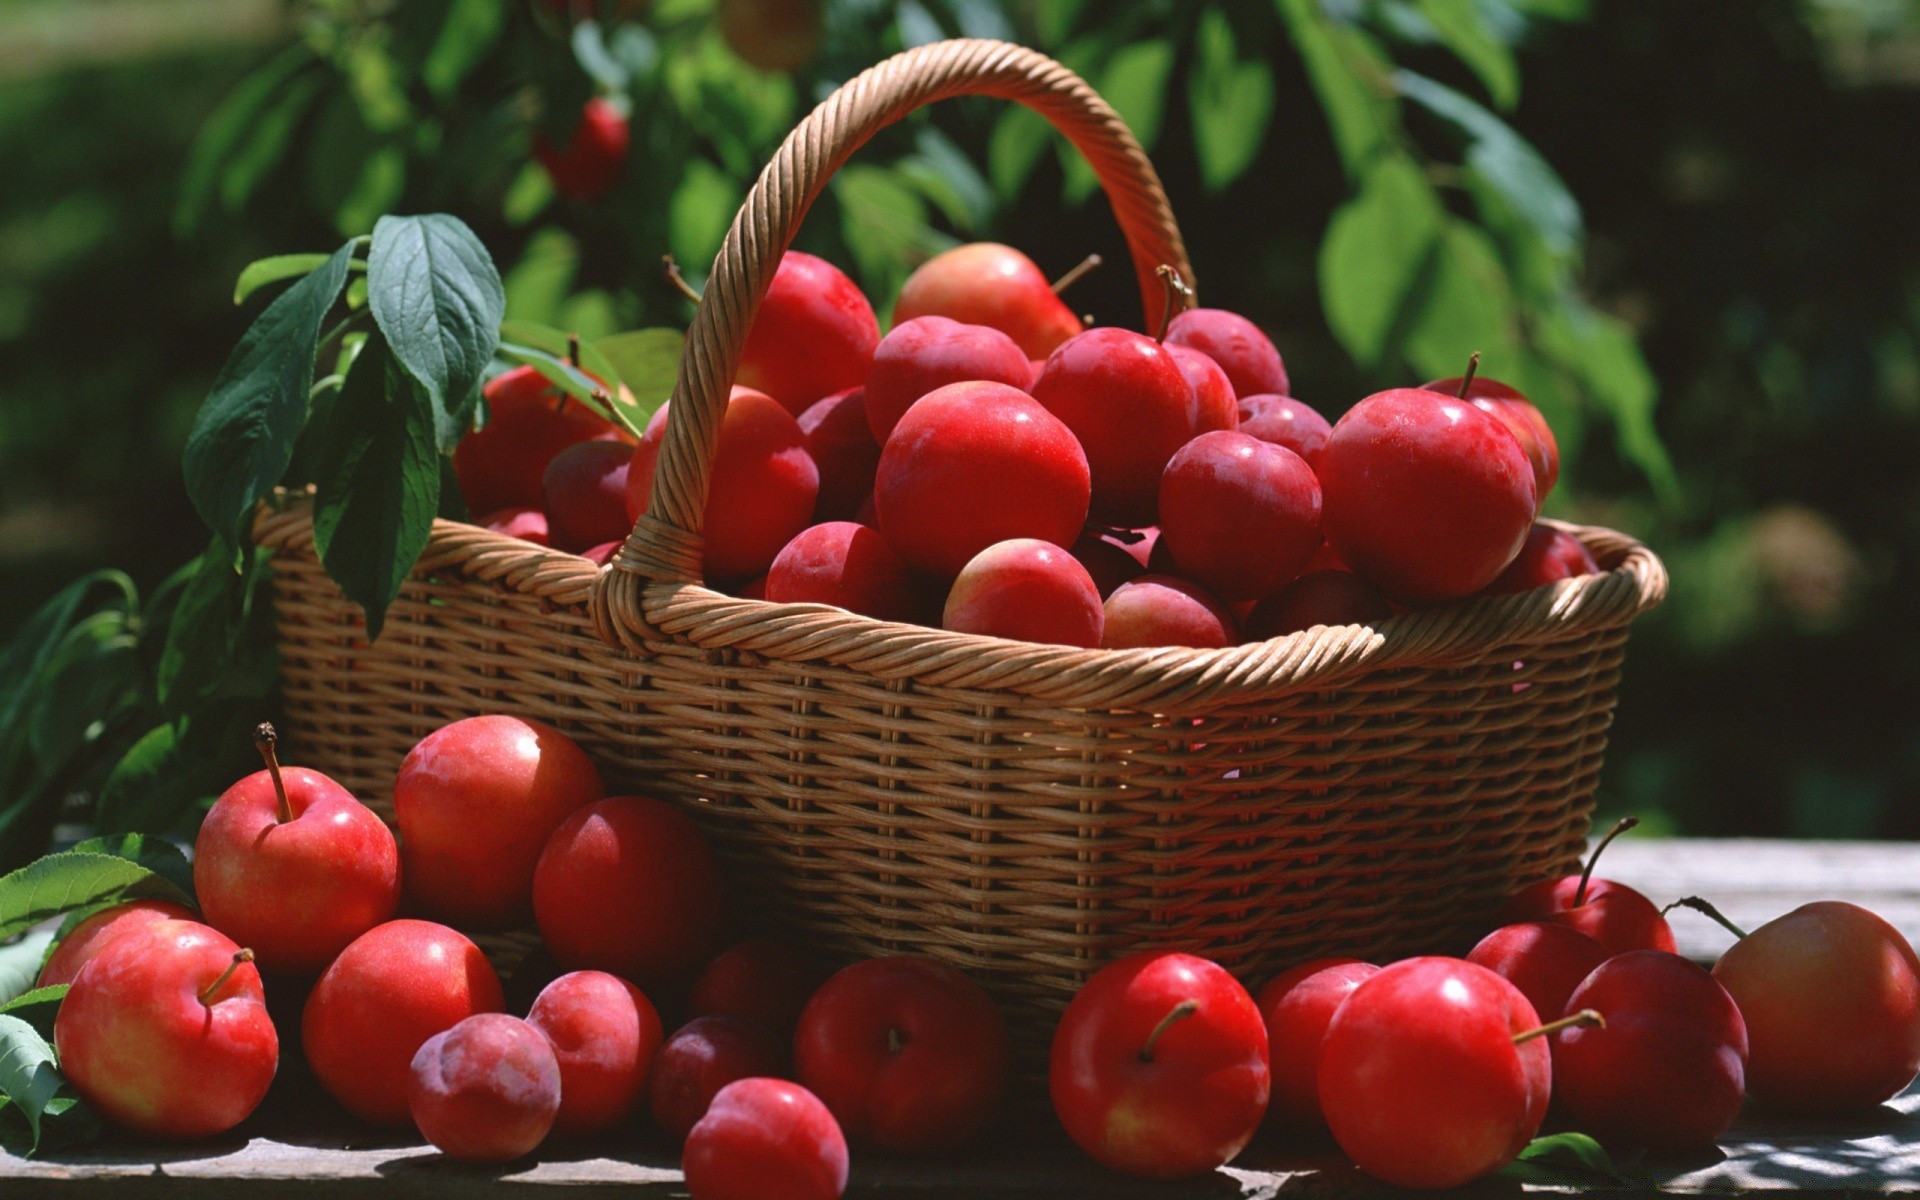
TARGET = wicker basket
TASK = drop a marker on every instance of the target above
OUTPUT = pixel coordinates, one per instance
(1023, 812)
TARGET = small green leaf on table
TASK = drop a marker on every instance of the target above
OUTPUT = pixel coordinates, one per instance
(1571, 1160)
(437, 297)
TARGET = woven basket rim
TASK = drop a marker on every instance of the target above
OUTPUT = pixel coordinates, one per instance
(798, 636)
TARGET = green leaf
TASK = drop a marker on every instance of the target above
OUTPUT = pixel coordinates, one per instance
(72, 879)
(28, 1077)
(263, 271)
(453, 504)
(156, 854)
(1376, 249)
(574, 382)
(20, 966)
(701, 210)
(538, 284)
(377, 482)
(1134, 82)
(1600, 349)
(266, 142)
(201, 635)
(161, 780)
(145, 781)
(1570, 1160)
(946, 176)
(1019, 138)
(1461, 28)
(39, 1006)
(1465, 305)
(93, 677)
(648, 362)
(590, 51)
(224, 129)
(437, 297)
(27, 656)
(470, 30)
(243, 438)
(1350, 76)
(1055, 20)
(1230, 101)
(885, 226)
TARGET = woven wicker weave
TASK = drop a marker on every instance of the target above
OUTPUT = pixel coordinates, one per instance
(1024, 812)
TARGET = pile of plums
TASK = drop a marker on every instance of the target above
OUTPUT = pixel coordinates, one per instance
(991, 466)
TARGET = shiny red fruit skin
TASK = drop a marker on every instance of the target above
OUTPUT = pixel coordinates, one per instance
(137, 1042)
(501, 464)
(813, 335)
(486, 1090)
(1196, 1103)
(1026, 590)
(1130, 406)
(1667, 1071)
(702, 1057)
(1614, 915)
(584, 494)
(1317, 598)
(604, 1033)
(588, 166)
(1297, 1006)
(986, 283)
(1213, 396)
(761, 489)
(1528, 426)
(1420, 1079)
(294, 892)
(908, 1054)
(397, 985)
(1548, 557)
(1544, 959)
(847, 565)
(1165, 610)
(843, 449)
(1284, 421)
(100, 930)
(974, 464)
(923, 355)
(1238, 515)
(761, 980)
(1427, 497)
(763, 1138)
(1831, 997)
(527, 524)
(1245, 353)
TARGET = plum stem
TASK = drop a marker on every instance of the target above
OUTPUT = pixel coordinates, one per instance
(1700, 905)
(213, 989)
(1179, 298)
(679, 281)
(1185, 1008)
(1585, 1016)
(1473, 368)
(1586, 876)
(1078, 272)
(264, 740)
(573, 351)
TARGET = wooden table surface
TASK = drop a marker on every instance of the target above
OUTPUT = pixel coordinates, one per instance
(281, 1152)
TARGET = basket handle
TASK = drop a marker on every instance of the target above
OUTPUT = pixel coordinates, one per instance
(666, 542)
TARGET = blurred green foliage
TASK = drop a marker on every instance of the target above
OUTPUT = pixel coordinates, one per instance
(1383, 184)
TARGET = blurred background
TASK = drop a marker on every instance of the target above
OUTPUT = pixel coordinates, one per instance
(1691, 232)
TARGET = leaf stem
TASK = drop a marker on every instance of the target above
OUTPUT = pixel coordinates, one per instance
(1619, 827)
(1466, 381)
(1585, 1016)
(679, 281)
(1700, 905)
(1185, 1008)
(264, 740)
(1077, 273)
(1179, 298)
(213, 989)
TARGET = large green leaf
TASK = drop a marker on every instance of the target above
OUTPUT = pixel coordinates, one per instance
(20, 965)
(377, 477)
(1465, 305)
(266, 141)
(72, 879)
(1376, 251)
(469, 31)
(38, 1006)
(223, 131)
(1600, 350)
(156, 854)
(243, 438)
(92, 679)
(28, 1077)
(438, 299)
(1463, 29)
(204, 629)
(27, 655)
(1230, 100)
(1349, 74)
(648, 362)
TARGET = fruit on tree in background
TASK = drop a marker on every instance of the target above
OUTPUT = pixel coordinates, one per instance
(486, 1090)
(1165, 610)
(1317, 598)
(1297, 1006)
(1215, 407)
(1159, 1066)
(1239, 515)
(1549, 555)
(773, 35)
(760, 980)
(584, 493)
(1546, 961)
(1521, 418)
(812, 336)
(1428, 497)
(1831, 997)
(1109, 562)
(397, 985)
(165, 1032)
(1610, 913)
(986, 283)
(1246, 354)
(973, 464)
(500, 465)
(1027, 590)
(629, 885)
(98, 931)
(762, 1138)
(1433, 1073)
(1127, 401)
(604, 1033)
(1284, 421)
(761, 488)
(527, 524)
(847, 565)
(908, 1054)
(703, 1056)
(843, 449)
(475, 801)
(928, 353)
(1667, 1069)
(290, 865)
(588, 166)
